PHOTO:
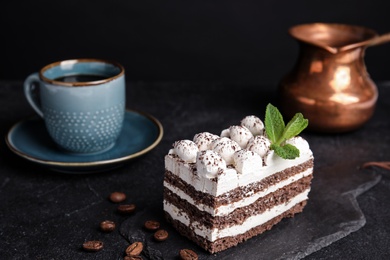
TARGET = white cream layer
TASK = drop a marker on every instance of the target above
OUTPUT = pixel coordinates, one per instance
(249, 223)
(230, 178)
(226, 209)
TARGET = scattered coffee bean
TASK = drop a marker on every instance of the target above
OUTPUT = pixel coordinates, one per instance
(117, 197)
(152, 225)
(161, 235)
(134, 249)
(126, 208)
(188, 254)
(137, 257)
(93, 245)
(107, 226)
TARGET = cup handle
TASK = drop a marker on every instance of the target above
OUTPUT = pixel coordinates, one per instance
(30, 92)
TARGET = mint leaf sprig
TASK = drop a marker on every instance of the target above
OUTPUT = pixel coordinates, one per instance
(278, 132)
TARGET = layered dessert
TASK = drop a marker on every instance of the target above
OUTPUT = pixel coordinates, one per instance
(220, 190)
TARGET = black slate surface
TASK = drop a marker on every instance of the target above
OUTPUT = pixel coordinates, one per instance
(47, 215)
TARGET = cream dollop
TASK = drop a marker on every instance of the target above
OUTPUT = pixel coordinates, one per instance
(225, 133)
(240, 134)
(209, 163)
(299, 143)
(271, 158)
(259, 144)
(247, 161)
(186, 150)
(254, 124)
(203, 140)
(225, 147)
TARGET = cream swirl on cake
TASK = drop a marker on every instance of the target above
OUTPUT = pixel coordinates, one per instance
(209, 163)
(254, 124)
(226, 148)
(186, 150)
(260, 145)
(240, 134)
(225, 133)
(247, 161)
(300, 143)
(272, 158)
(204, 140)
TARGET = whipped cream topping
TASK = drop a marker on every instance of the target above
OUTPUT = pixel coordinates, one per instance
(272, 158)
(186, 150)
(254, 124)
(204, 140)
(209, 163)
(226, 148)
(259, 144)
(299, 143)
(247, 161)
(240, 134)
(249, 137)
(225, 133)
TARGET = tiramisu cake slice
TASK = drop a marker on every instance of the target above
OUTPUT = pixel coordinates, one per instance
(222, 190)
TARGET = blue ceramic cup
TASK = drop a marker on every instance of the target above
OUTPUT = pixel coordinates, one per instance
(82, 102)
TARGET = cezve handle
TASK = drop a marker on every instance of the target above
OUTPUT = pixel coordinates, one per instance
(380, 39)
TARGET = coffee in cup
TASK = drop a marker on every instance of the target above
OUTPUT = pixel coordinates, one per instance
(81, 101)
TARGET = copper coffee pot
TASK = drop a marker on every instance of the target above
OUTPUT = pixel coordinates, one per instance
(329, 84)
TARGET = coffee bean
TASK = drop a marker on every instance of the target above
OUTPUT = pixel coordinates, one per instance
(161, 235)
(107, 226)
(137, 257)
(152, 225)
(126, 208)
(188, 254)
(93, 245)
(117, 197)
(134, 249)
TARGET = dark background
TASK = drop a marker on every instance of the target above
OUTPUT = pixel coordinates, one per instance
(157, 40)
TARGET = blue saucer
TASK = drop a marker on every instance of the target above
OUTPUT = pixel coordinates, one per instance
(29, 139)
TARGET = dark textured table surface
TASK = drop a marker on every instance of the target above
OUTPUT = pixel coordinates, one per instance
(48, 215)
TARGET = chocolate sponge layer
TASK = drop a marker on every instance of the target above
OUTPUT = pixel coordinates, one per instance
(239, 215)
(227, 242)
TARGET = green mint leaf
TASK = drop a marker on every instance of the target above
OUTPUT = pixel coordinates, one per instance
(295, 126)
(286, 151)
(278, 132)
(274, 124)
